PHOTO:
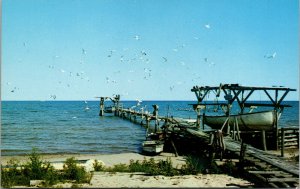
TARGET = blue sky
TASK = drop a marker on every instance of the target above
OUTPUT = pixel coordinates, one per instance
(146, 49)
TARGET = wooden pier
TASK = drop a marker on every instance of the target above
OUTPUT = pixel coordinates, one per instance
(260, 166)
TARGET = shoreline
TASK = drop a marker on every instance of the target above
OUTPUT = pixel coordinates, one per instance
(106, 179)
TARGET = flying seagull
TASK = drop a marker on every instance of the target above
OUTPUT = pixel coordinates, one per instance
(137, 37)
(207, 26)
(270, 56)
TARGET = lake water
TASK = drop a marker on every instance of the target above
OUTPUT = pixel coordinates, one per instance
(71, 127)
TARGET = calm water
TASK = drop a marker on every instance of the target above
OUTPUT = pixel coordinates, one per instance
(68, 127)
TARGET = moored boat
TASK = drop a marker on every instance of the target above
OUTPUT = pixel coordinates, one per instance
(153, 143)
(264, 120)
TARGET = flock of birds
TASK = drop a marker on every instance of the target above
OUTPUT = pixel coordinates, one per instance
(141, 56)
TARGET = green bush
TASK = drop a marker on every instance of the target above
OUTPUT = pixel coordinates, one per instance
(35, 169)
(150, 167)
(229, 168)
(13, 175)
(51, 176)
(98, 166)
(166, 168)
(196, 164)
(72, 171)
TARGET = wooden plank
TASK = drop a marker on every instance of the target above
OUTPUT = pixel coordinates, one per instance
(264, 156)
(273, 185)
(283, 179)
(267, 105)
(282, 142)
(266, 172)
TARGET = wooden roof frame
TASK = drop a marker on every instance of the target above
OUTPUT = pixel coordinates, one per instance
(246, 91)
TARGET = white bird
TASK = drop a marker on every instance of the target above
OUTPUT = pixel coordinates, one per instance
(147, 70)
(53, 96)
(165, 59)
(207, 26)
(83, 51)
(137, 37)
(138, 102)
(271, 56)
(211, 64)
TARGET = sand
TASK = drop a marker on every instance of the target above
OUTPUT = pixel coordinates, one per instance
(136, 180)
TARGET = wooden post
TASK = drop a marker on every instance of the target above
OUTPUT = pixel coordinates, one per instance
(176, 153)
(242, 156)
(101, 113)
(155, 114)
(198, 118)
(147, 120)
(134, 118)
(282, 142)
(263, 138)
(276, 130)
(116, 104)
(233, 131)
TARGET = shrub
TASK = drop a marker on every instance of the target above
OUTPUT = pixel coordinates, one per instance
(72, 171)
(34, 168)
(166, 168)
(51, 176)
(13, 175)
(98, 166)
(150, 167)
(229, 167)
(196, 164)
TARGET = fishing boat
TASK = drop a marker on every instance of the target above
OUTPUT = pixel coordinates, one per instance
(153, 143)
(264, 120)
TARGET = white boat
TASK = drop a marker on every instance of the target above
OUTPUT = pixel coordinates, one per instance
(264, 120)
(153, 144)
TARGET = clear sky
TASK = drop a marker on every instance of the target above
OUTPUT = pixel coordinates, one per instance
(145, 49)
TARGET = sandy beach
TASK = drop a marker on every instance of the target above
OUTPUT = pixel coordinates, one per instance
(105, 179)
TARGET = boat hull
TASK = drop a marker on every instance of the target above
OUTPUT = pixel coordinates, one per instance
(251, 121)
(153, 147)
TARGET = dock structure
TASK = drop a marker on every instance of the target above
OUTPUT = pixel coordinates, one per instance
(109, 109)
(241, 95)
(259, 165)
